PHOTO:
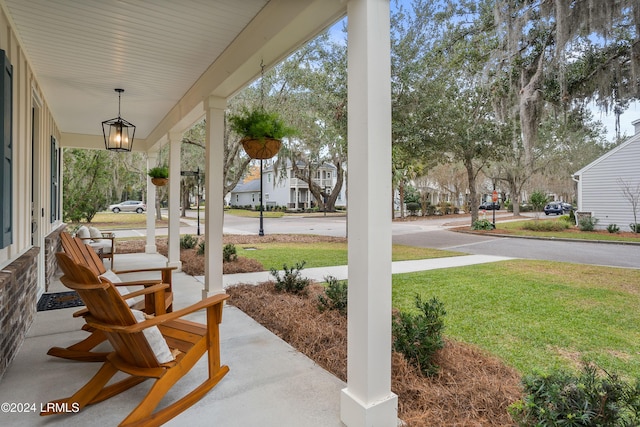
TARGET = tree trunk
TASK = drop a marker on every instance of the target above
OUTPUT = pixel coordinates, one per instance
(473, 195)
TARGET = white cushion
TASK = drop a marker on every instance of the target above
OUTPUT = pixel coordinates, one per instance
(156, 341)
(105, 245)
(83, 232)
(95, 234)
(113, 278)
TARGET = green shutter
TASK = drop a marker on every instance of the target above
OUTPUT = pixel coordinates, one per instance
(6, 167)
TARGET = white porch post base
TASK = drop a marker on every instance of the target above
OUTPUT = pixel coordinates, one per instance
(382, 413)
(176, 264)
(150, 249)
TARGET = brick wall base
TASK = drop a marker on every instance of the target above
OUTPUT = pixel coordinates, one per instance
(52, 244)
(18, 293)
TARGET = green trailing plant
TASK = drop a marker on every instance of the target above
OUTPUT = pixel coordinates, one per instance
(335, 296)
(613, 228)
(482, 224)
(419, 336)
(588, 223)
(259, 124)
(159, 172)
(291, 280)
(591, 398)
(187, 241)
(229, 253)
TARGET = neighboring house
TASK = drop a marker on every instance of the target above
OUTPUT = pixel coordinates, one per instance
(282, 188)
(600, 184)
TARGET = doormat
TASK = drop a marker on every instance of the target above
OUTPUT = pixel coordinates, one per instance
(59, 300)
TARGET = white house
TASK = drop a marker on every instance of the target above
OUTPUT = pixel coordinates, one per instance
(282, 188)
(600, 184)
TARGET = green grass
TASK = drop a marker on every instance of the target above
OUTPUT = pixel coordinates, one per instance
(323, 254)
(515, 228)
(254, 214)
(537, 315)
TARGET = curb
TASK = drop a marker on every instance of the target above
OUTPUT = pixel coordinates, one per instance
(557, 239)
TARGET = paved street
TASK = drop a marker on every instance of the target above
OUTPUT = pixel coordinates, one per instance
(435, 233)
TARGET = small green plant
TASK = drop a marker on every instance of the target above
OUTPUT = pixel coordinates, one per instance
(291, 280)
(482, 224)
(538, 199)
(259, 124)
(413, 208)
(335, 296)
(537, 225)
(159, 172)
(635, 227)
(588, 399)
(229, 253)
(568, 219)
(613, 228)
(187, 241)
(201, 248)
(419, 336)
(587, 223)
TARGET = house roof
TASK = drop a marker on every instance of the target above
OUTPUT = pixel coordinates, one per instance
(632, 140)
(247, 187)
(167, 55)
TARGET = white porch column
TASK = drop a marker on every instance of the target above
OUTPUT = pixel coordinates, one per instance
(150, 247)
(173, 244)
(214, 187)
(368, 400)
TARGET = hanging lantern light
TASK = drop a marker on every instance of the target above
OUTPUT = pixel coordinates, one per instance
(118, 133)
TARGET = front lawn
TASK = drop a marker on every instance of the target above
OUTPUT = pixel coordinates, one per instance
(322, 254)
(537, 315)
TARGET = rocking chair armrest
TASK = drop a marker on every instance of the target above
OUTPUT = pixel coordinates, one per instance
(147, 290)
(157, 320)
(145, 283)
(145, 270)
(81, 313)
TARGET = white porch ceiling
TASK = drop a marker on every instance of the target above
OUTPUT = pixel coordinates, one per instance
(168, 55)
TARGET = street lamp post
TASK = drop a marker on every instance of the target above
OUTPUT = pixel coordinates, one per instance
(261, 231)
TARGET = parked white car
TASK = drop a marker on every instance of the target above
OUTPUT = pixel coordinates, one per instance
(128, 206)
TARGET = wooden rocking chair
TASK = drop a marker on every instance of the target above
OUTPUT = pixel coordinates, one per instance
(134, 351)
(83, 254)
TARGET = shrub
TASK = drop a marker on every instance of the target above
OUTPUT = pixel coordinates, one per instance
(187, 241)
(229, 253)
(588, 223)
(545, 225)
(413, 208)
(482, 224)
(613, 228)
(335, 296)
(635, 227)
(588, 399)
(538, 199)
(201, 247)
(419, 336)
(568, 219)
(291, 280)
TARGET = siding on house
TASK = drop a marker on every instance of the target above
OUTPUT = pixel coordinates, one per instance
(600, 187)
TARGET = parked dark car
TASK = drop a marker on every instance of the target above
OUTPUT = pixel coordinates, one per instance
(554, 208)
(488, 206)
(567, 207)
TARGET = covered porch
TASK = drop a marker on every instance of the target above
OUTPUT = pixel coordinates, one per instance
(179, 62)
(270, 383)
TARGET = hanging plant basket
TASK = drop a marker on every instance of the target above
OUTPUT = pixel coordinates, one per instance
(159, 182)
(264, 148)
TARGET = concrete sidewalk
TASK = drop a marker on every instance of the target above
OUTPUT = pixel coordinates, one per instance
(340, 272)
(270, 384)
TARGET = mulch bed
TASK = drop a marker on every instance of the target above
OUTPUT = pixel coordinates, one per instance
(471, 389)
